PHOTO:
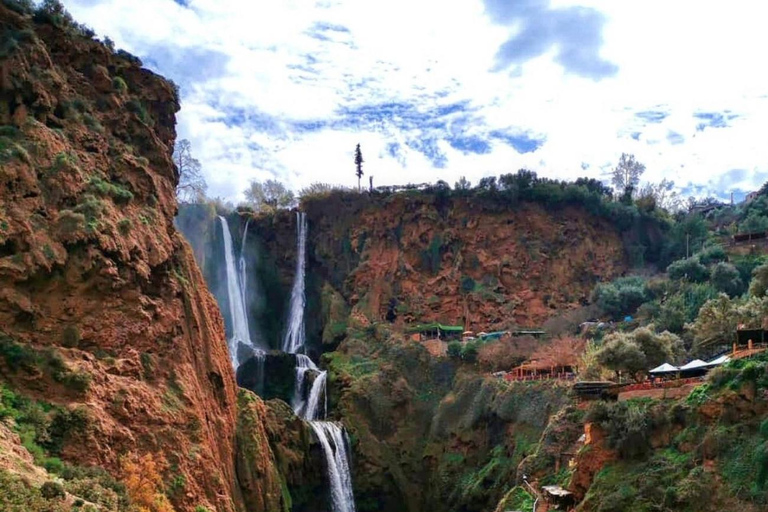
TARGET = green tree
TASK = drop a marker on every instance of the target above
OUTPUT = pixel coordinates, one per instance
(621, 354)
(716, 323)
(358, 166)
(454, 350)
(463, 184)
(688, 232)
(192, 185)
(725, 278)
(318, 189)
(657, 348)
(754, 222)
(469, 352)
(626, 175)
(712, 254)
(620, 297)
(758, 287)
(689, 269)
(269, 196)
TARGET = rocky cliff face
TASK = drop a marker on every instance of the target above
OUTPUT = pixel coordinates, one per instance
(424, 434)
(406, 259)
(456, 260)
(102, 307)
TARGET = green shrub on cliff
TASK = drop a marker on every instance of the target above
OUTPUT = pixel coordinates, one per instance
(20, 6)
(628, 426)
(12, 150)
(43, 428)
(688, 269)
(138, 108)
(23, 357)
(118, 192)
(621, 296)
(119, 85)
(17, 495)
(469, 351)
(11, 40)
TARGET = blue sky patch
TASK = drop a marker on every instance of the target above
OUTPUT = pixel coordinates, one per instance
(675, 138)
(711, 120)
(470, 144)
(652, 116)
(430, 149)
(521, 142)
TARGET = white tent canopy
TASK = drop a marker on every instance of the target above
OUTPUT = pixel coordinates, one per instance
(696, 364)
(720, 360)
(665, 368)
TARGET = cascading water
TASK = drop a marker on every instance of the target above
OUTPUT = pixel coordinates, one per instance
(242, 265)
(316, 394)
(303, 365)
(236, 295)
(331, 436)
(294, 336)
(334, 443)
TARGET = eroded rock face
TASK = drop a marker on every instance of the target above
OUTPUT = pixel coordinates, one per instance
(95, 282)
(256, 470)
(415, 259)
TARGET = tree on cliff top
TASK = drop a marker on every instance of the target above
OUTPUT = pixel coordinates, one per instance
(358, 165)
(269, 196)
(639, 350)
(626, 175)
(192, 185)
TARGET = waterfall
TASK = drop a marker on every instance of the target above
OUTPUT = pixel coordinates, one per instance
(242, 267)
(303, 365)
(331, 436)
(309, 408)
(334, 443)
(236, 295)
(311, 405)
(312, 410)
(294, 336)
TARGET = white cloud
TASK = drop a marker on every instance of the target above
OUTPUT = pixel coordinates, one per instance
(255, 75)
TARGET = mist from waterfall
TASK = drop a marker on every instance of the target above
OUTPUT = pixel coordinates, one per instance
(295, 334)
(236, 294)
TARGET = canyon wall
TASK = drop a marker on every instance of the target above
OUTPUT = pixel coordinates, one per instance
(103, 310)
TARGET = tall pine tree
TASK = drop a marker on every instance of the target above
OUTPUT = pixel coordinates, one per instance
(359, 166)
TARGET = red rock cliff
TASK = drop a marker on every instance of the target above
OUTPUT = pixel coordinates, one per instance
(94, 276)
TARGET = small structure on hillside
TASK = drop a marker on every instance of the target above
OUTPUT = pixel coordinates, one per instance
(559, 497)
(491, 336)
(596, 390)
(436, 330)
(540, 369)
(536, 333)
(755, 336)
(664, 369)
(749, 237)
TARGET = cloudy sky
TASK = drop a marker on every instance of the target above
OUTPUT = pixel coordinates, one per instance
(436, 89)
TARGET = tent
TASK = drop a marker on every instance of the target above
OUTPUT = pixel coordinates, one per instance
(696, 364)
(719, 361)
(665, 368)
